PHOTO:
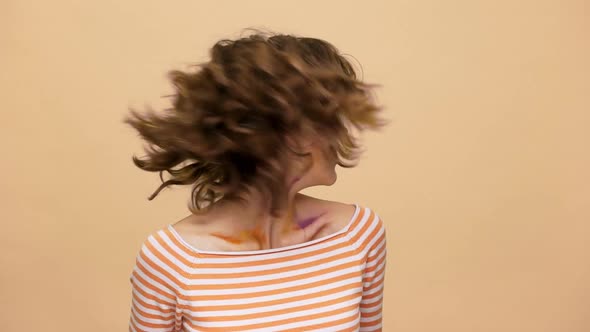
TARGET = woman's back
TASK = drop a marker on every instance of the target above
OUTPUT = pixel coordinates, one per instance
(233, 227)
(331, 283)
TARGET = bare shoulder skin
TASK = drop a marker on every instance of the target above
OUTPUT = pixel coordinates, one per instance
(230, 229)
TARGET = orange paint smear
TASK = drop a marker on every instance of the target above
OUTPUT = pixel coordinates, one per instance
(258, 234)
(227, 238)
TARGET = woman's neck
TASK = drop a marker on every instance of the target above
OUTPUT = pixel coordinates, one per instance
(256, 223)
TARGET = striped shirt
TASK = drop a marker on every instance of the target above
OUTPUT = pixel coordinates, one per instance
(334, 283)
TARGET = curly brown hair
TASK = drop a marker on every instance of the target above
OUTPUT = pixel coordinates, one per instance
(227, 129)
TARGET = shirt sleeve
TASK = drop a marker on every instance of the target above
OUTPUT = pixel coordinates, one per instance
(373, 279)
(153, 302)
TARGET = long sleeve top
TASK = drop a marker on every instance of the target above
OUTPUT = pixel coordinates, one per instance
(334, 283)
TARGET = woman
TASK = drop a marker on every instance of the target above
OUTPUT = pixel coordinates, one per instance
(266, 117)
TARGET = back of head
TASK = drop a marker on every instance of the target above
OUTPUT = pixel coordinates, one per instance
(228, 128)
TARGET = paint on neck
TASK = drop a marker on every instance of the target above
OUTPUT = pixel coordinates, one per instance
(227, 238)
(258, 234)
(308, 221)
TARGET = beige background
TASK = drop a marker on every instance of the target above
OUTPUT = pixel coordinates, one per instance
(483, 176)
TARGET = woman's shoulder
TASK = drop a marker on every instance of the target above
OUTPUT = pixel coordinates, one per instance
(338, 209)
(152, 242)
(328, 205)
(344, 213)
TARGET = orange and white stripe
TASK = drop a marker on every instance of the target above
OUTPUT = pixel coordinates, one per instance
(334, 283)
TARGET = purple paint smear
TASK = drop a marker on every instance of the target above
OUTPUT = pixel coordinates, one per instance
(295, 180)
(308, 221)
